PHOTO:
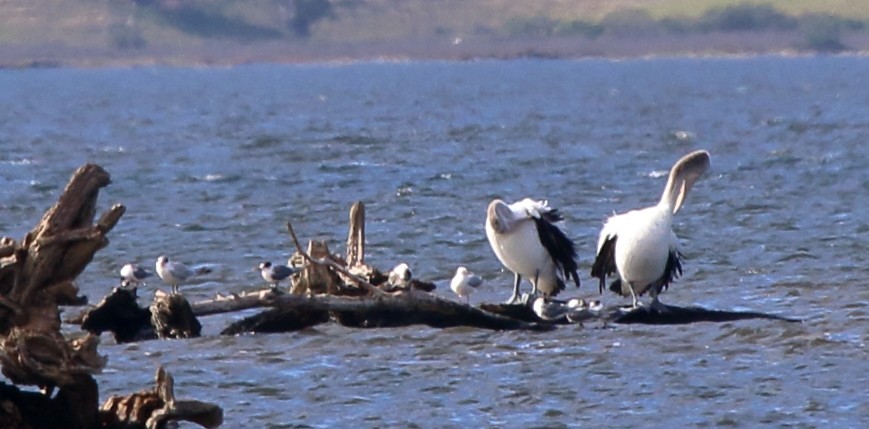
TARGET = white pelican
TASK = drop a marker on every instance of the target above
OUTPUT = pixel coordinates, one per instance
(133, 274)
(273, 274)
(400, 276)
(464, 283)
(526, 240)
(640, 245)
(172, 272)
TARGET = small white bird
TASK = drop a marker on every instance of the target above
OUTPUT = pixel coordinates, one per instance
(173, 273)
(549, 311)
(274, 274)
(526, 240)
(640, 245)
(133, 274)
(400, 276)
(464, 283)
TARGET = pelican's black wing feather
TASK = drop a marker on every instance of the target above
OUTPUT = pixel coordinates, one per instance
(559, 246)
(605, 263)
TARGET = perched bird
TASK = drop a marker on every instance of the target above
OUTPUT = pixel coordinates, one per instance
(640, 245)
(275, 273)
(549, 311)
(173, 273)
(464, 283)
(400, 276)
(133, 274)
(526, 240)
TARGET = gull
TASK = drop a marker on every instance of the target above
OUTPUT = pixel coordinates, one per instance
(400, 276)
(527, 242)
(133, 274)
(640, 245)
(173, 273)
(275, 273)
(464, 283)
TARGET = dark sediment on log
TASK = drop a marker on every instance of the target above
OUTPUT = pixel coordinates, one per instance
(674, 315)
(402, 309)
(283, 318)
(683, 315)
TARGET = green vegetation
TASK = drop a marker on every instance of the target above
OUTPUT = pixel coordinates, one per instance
(132, 27)
(208, 21)
(821, 33)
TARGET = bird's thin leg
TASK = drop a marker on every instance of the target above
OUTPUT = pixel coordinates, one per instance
(656, 303)
(634, 303)
(534, 285)
(515, 297)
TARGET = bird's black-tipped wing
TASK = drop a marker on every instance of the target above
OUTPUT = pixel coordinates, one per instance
(280, 272)
(141, 273)
(605, 263)
(559, 246)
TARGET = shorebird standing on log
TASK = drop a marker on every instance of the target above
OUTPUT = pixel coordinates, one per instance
(173, 273)
(464, 283)
(640, 245)
(274, 274)
(527, 241)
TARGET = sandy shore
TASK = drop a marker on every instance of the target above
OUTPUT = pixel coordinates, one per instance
(228, 53)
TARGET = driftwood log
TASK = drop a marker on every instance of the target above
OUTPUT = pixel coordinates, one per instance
(36, 276)
(120, 314)
(350, 292)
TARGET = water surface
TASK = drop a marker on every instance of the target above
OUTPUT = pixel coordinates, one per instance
(212, 163)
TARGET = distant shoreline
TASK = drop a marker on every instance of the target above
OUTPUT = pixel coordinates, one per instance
(227, 54)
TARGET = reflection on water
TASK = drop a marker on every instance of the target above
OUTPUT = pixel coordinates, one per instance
(212, 163)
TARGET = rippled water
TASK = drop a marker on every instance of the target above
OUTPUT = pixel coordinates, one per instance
(212, 163)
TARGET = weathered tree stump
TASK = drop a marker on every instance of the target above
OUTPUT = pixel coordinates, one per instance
(120, 314)
(151, 409)
(36, 275)
(172, 317)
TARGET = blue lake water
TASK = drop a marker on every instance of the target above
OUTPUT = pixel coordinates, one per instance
(212, 162)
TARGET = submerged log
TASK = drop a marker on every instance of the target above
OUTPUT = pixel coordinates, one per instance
(674, 315)
(152, 409)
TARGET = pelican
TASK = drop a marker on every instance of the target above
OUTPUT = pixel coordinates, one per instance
(640, 245)
(133, 274)
(526, 240)
(400, 276)
(273, 274)
(464, 283)
(172, 272)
